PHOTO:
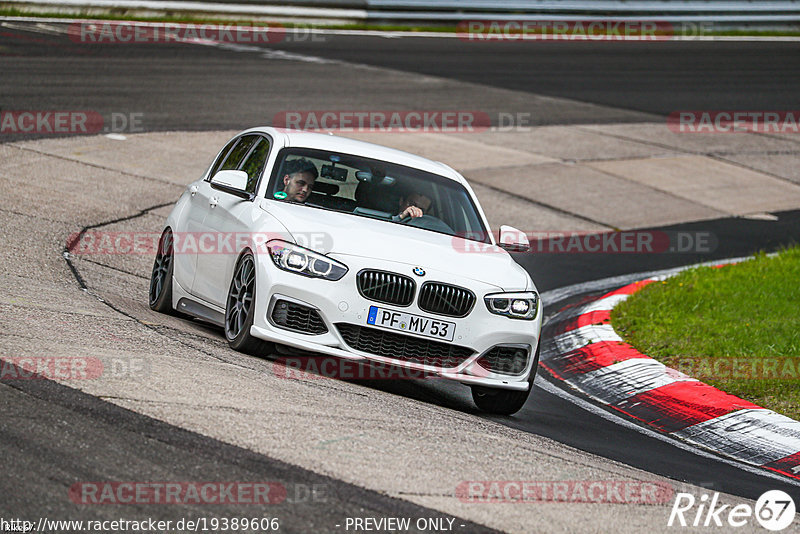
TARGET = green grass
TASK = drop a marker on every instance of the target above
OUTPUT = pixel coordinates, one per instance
(735, 327)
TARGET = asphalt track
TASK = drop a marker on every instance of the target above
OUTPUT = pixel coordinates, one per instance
(551, 416)
(648, 77)
(181, 87)
(178, 86)
(51, 434)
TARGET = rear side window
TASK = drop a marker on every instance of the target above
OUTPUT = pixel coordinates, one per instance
(235, 156)
(221, 158)
(254, 163)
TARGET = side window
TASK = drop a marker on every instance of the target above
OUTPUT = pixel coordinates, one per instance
(254, 164)
(235, 156)
(221, 158)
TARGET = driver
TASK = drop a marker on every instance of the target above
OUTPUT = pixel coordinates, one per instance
(299, 179)
(413, 205)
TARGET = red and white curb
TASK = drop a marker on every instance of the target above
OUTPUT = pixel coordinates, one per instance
(582, 349)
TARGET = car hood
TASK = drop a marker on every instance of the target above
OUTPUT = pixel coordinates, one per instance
(343, 234)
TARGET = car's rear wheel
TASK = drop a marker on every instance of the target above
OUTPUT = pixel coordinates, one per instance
(504, 401)
(240, 308)
(161, 277)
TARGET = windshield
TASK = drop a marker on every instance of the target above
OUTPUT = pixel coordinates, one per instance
(366, 187)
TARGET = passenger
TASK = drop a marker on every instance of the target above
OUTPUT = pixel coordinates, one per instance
(299, 179)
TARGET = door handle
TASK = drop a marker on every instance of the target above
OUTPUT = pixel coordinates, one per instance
(193, 190)
(213, 201)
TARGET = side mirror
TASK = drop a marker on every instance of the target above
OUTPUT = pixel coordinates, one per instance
(233, 182)
(513, 240)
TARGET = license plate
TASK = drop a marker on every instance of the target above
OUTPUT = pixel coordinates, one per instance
(407, 322)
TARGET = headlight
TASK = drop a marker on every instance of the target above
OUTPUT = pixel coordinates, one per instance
(290, 257)
(515, 305)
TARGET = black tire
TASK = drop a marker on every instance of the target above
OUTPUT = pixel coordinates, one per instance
(160, 295)
(504, 401)
(240, 309)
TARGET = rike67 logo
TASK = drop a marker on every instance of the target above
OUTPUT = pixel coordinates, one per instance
(774, 510)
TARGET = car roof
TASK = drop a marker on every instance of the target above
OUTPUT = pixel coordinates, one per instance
(335, 143)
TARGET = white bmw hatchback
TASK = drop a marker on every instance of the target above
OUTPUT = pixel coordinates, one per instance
(352, 250)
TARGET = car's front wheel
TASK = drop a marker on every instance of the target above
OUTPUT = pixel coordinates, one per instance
(240, 308)
(161, 276)
(504, 401)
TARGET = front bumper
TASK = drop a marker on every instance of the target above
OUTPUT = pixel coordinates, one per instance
(340, 302)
